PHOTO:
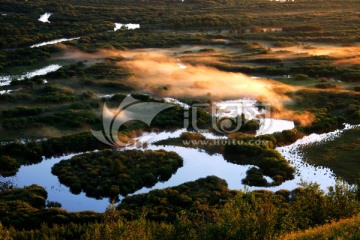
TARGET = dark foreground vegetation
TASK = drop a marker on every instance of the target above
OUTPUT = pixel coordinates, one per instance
(203, 209)
(166, 204)
(27, 208)
(343, 229)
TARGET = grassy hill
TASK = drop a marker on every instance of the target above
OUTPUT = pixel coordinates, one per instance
(344, 229)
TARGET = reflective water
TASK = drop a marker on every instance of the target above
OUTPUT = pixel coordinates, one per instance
(253, 110)
(45, 17)
(6, 80)
(53, 42)
(5, 91)
(128, 26)
(197, 163)
(271, 125)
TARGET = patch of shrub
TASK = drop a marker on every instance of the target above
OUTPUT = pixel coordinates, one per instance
(110, 172)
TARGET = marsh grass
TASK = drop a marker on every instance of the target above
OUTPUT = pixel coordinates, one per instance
(341, 155)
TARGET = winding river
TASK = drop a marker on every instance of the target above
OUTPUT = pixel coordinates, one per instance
(197, 164)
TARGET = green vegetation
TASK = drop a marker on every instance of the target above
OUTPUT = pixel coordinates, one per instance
(301, 77)
(165, 204)
(330, 108)
(8, 166)
(31, 152)
(25, 56)
(92, 20)
(254, 177)
(325, 85)
(255, 37)
(211, 211)
(68, 103)
(342, 230)
(341, 155)
(270, 162)
(110, 172)
(287, 137)
(192, 136)
(67, 119)
(22, 111)
(25, 208)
